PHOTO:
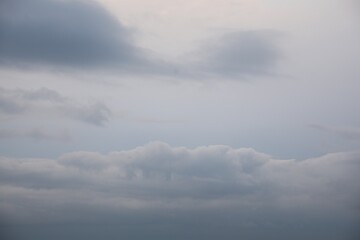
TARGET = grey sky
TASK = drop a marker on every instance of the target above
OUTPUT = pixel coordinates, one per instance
(134, 119)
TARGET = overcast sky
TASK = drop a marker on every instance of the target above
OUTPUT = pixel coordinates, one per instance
(169, 119)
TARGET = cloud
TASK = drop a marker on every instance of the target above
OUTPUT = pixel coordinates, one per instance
(17, 102)
(203, 187)
(35, 133)
(349, 133)
(9, 106)
(41, 94)
(238, 54)
(77, 34)
(96, 114)
(82, 34)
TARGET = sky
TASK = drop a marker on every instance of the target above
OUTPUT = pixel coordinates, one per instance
(168, 119)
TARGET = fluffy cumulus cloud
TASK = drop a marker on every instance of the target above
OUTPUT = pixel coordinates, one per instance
(72, 34)
(20, 102)
(165, 189)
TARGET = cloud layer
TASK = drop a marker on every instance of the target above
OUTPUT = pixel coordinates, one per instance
(83, 35)
(160, 179)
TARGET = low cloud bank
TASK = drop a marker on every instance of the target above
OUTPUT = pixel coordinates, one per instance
(156, 190)
(158, 175)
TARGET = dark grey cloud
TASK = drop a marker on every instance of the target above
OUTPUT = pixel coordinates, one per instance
(238, 54)
(65, 33)
(208, 192)
(82, 34)
(19, 102)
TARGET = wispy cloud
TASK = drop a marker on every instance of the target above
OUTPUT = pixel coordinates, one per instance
(20, 102)
(96, 114)
(35, 134)
(349, 133)
(237, 55)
